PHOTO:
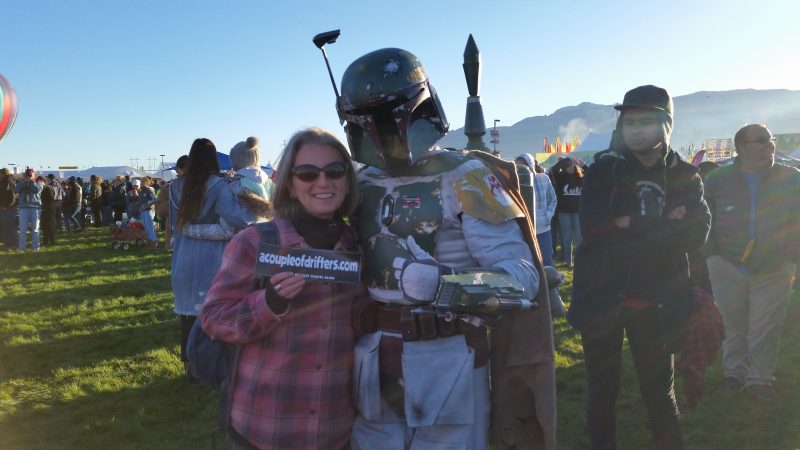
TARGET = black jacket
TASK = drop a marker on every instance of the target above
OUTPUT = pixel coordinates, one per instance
(607, 256)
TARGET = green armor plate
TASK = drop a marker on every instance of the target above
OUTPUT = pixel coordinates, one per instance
(387, 219)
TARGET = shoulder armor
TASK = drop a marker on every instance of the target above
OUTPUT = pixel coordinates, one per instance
(481, 194)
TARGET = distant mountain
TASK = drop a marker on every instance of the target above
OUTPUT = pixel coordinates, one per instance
(699, 116)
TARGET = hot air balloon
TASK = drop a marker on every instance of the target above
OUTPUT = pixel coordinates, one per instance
(8, 107)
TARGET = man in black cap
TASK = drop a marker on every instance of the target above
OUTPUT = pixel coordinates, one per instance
(641, 211)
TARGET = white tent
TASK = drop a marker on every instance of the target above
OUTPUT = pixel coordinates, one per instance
(107, 173)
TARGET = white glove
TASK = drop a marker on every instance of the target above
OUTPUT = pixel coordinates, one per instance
(418, 277)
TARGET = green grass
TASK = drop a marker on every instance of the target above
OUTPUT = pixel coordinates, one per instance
(89, 360)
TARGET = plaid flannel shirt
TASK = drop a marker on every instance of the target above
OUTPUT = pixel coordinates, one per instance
(292, 389)
(546, 201)
(701, 344)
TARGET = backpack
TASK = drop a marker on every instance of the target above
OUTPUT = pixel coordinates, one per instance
(8, 194)
(214, 362)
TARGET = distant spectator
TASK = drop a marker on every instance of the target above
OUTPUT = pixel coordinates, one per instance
(147, 200)
(753, 252)
(249, 184)
(105, 201)
(9, 235)
(162, 202)
(29, 199)
(544, 209)
(58, 198)
(133, 200)
(72, 205)
(568, 185)
(48, 218)
(95, 200)
(245, 161)
(118, 198)
(200, 196)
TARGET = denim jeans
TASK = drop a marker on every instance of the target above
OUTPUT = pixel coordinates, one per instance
(147, 220)
(570, 230)
(654, 370)
(29, 219)
(546, 246)
(545, 241)
(71, 213)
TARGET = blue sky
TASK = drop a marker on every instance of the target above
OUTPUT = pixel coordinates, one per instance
(101, 82)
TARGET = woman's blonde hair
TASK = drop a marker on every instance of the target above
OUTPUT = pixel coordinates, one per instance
(282, 201)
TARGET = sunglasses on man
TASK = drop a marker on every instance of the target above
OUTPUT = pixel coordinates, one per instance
(309, 172)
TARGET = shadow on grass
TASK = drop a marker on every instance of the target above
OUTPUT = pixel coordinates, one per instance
(721, 422)
(40, 359)
(33, 300)
(132, 417)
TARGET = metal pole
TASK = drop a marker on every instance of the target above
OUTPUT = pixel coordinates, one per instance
(162, 166)
(494, 138)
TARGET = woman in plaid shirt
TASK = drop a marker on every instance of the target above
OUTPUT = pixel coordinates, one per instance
(293, 380)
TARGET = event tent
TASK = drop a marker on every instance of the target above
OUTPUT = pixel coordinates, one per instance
(107, 172)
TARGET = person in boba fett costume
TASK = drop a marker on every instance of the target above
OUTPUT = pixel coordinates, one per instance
(421, 378)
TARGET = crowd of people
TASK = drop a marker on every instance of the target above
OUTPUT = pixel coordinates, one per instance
(33, 204)
(333, 365)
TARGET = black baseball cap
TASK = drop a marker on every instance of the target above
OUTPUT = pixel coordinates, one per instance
(648, 96)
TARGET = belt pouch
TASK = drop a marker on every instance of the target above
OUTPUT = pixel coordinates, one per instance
(408, 320)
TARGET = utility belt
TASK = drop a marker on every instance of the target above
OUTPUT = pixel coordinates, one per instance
(401, 319)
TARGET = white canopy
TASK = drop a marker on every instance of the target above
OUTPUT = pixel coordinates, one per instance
(107, 173)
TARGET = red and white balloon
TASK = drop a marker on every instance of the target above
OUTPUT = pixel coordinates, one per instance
(8, 107)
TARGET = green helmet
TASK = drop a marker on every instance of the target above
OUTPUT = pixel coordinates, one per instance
(392, 113)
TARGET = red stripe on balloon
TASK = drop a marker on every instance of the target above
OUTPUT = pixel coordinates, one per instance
(6, 116)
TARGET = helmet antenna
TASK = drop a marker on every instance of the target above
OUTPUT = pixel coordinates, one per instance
(328, 37)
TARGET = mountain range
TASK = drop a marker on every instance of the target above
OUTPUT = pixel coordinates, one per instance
(697, 117)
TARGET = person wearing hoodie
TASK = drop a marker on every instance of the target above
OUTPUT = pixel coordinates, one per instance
(642, 210)
(29, 192)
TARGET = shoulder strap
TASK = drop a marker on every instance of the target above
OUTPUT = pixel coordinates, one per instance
(268, 232)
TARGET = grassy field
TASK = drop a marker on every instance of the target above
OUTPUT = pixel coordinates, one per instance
(89, 360)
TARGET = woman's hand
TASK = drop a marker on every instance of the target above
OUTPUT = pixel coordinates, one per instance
(287, 284)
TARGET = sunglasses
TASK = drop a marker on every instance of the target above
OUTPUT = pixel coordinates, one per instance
(309, 173)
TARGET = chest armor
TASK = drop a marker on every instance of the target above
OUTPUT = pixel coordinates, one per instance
(392, 209)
